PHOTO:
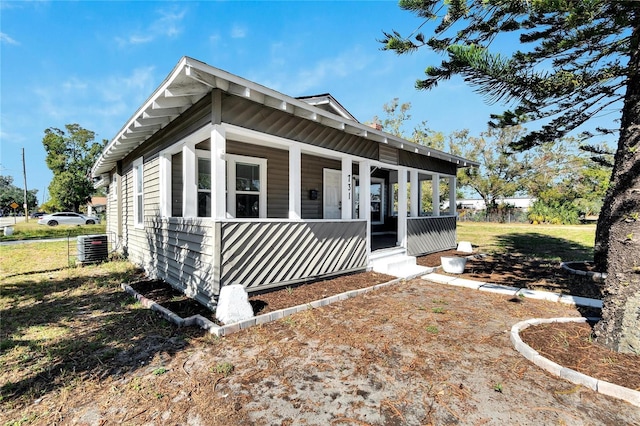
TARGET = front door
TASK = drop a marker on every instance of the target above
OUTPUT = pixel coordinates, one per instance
(332, 194)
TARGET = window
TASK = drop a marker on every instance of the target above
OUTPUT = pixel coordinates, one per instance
(204, 187)
(246, 186)
(377, 201)
(138, 198)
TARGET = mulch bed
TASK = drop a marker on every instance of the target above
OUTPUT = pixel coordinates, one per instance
(568, 344)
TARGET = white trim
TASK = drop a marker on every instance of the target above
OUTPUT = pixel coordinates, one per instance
(232, 160)
(218, 140)
(295, 182)
(138, 178)
(189, 185)
(435, 194)
(347, 187)
(326, 172)
(402, 207)
(165, 184)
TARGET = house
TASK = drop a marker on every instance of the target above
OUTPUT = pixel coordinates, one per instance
(96, 205)
(217, 180)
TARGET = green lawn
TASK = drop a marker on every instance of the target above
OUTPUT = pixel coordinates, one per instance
(32, 230)
(553, 242)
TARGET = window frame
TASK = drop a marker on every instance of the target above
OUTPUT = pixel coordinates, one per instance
(232, 160)
(138, 193)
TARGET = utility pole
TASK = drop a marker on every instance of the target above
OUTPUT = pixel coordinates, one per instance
(24, 172)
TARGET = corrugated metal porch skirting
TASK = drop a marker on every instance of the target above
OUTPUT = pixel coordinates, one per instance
(263, 254)
(430, 234)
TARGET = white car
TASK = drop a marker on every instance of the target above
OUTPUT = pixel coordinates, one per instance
(68, 218)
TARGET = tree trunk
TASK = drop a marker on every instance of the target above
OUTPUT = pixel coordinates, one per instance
(619, 223)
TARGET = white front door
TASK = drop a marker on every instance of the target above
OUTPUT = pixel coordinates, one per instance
(332, 194)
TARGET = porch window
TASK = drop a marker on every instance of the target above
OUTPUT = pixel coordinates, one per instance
(377, 201)
(138, 193)
(246, 186)
(204, 187)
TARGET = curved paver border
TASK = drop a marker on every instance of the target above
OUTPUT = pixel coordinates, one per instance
(595, 276)
(600, 386)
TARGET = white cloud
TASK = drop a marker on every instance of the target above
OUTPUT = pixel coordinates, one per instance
(4, 38)
(238, 31)
(102, 105)
(167, 25)
(314, 76)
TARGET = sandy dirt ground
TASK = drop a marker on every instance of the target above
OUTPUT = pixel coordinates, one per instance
(414, 353)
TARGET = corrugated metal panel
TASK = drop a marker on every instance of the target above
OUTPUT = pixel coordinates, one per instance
(251, 115)
(430, 234)
(259, 254)
(388, 154)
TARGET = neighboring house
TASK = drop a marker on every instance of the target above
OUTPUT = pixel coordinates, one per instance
(217, 180)
(96, 205)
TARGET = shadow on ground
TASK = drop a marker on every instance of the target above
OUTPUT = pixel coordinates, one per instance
(535, 244)
(57, 329)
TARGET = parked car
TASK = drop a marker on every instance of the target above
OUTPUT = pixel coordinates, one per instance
(37, 215)
(68, 218)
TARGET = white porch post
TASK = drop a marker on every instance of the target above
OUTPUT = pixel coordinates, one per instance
(435, 184)
(218, 172)
(295, 182)
(365, 198)
(165, 185)
(347, 197)
(452, 195)
(402, 206)
(190, 193)
(415, 194)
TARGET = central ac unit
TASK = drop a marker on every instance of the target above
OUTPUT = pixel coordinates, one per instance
(92, 248)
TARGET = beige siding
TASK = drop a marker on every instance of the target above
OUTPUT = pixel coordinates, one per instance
(181, 253)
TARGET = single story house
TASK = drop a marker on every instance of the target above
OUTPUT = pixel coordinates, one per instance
(217, 180)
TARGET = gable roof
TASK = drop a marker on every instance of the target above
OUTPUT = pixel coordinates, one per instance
(328, 103)
(191, 80)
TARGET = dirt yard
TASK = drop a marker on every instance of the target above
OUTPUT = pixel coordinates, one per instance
(410, 354)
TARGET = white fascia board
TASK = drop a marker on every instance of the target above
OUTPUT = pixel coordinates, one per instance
(98, 167)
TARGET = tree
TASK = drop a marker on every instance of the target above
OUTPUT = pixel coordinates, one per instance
(396, 116)
(583, 58)
(9, 193)
(499, 174)
(70, 156)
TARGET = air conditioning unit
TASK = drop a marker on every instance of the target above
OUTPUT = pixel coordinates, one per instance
(92, 248)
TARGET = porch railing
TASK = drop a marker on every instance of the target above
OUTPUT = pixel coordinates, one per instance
(430, 234)
(270, 253)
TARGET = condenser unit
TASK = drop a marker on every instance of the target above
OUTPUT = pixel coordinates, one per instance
(92, 248)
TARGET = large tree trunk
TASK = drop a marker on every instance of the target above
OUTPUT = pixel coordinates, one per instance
(618, 232)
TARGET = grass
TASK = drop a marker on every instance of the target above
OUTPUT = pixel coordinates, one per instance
(62, 324)
(32, 230)
(552, 242)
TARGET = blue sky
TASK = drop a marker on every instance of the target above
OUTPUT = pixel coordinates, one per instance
(95, 63)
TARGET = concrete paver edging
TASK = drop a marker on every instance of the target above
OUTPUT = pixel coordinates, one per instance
(606, 388)
(223, 330)
(600, 386)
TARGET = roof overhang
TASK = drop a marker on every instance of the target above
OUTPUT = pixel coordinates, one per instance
(191, 80)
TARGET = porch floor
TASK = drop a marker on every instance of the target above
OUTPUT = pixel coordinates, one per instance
(383, 241)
